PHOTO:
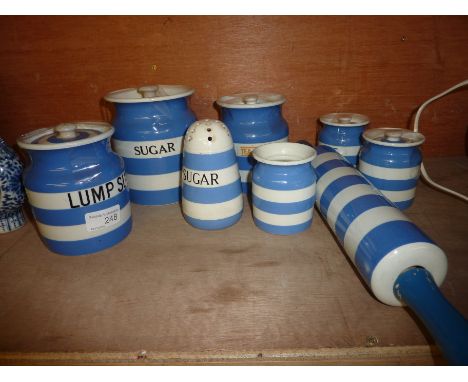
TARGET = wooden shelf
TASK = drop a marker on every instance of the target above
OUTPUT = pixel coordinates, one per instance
(172, 294)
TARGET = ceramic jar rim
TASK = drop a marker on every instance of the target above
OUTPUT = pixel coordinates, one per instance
(132, 95)
(284, 154)
(371, 135)
(24, 141)
(331, 119)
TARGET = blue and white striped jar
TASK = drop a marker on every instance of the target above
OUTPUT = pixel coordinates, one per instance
(76, 187)
(253, 119)
(378, 238)
(150, 124)
(342, 132)
(211, 187)
(283, 187)
(391, 160)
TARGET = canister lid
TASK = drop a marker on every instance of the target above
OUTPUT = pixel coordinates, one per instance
(395, 137)
(250, 100)
(65, 135)
(344, 119)
(151, 93)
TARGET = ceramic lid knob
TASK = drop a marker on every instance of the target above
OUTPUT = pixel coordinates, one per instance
(207, 136)
(344, 119)
(148, 91)
(393, 135)
(250, 100)
(66, 131)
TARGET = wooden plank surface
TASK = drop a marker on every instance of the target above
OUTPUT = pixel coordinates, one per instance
(57, 69)
(185, 295)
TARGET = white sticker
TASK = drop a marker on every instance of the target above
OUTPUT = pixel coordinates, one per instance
(101, 219)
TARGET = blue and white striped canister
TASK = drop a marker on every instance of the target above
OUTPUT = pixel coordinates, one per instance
(254, 119)
(342, 132)
(76, 187)
(211, 186)
(378, 238)
(283, 187)
(150, 123)
(390, 159)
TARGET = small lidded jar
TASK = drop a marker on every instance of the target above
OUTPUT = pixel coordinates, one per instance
(391, 159)
(342, 132)
(254, 119)
(76, 187)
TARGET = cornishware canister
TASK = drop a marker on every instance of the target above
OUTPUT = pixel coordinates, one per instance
(150, 123)
(391, 159)
(76, 187)
(211, 187)
(283, 187)
(253, 119)
(11, 190)
(342, 132)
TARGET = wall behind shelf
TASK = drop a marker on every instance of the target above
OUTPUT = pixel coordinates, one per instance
(57, 69)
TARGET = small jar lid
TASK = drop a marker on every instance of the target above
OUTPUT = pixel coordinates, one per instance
(394, 137)
(251, 100)
(151, 93)
(207, 136)
(65, 135)
(344, 119)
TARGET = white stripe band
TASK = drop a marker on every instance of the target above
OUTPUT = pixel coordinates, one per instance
(245, 175)
(245, 149)
(344, 197)
(67, 200)
(210, 179)
(330, 177)
(214, 211)
(346, 151)
(148, 149)
(399, 196)
(388, 173)
(154, 182)
(282, 220)
(325, 157)
(365, 223)
(79, 232)
(283, 196)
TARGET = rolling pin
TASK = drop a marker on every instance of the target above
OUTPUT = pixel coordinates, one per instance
(399, 262)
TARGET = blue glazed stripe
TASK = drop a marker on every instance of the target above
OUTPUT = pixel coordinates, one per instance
(168, 196)
(216, 161)
(384, 239)
(283, 208)
(282, 230)
(392, 185)
(330, 165)
(83, 247)
(246, 163)
(213, 224)
(153, 166)
(75, 216)
(207, 195)
(404, 205)
(355, 208)
(335, 187)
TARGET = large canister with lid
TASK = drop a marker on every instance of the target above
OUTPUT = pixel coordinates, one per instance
(253, 119)
(76, 187)
(342, 132)
(391, 159)
(150, 123)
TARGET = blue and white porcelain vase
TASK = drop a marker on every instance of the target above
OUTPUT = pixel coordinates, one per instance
(283, 187)
(391, 159)
(343, 132)
(11, 190)
(150, 124)
(254, 119)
